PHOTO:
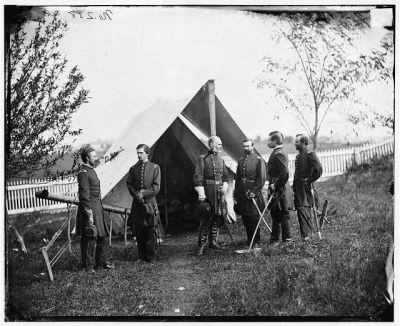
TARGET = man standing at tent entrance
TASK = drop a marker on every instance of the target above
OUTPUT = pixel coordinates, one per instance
(144, 184)
(211, 183)
(279, 188)
(250, 179)
(90, 224)
(308, 169)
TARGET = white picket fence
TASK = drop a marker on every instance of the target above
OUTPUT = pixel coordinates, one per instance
(20, 194)
(338, 161)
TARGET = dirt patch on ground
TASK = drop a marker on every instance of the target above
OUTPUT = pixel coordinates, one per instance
(182, 274)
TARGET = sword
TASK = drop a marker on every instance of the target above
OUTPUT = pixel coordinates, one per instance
(314, 210)
(259, 220)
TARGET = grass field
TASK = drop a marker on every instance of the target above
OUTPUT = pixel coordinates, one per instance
(339, 278)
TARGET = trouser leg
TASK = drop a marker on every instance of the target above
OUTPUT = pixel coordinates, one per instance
(245, 220)
(252, 221)
(140, 239)
(88, 249)
(305, 221)
(285, 223)
(102, 252)
(150, 243)
(276, 226)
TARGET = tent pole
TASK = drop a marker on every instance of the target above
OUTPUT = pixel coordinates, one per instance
(211, 106)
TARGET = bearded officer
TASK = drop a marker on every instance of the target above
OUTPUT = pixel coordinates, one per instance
(144, 184)
(249, 181)
(211, 183)
(90, 224)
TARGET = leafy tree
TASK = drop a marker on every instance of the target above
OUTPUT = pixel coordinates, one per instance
(42, 96)
(324, 65)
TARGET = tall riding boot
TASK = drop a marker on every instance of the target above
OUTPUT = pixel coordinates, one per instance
(202, 243)
(214, 235)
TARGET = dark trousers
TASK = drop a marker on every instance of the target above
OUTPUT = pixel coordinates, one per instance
(304, 214)
(280, 220)
(94, 251)
(208, 230)
(250, 224)
(146, 242)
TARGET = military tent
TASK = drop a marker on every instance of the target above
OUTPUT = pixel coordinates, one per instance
(177, 132)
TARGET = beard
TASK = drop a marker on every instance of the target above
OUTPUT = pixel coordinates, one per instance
(216, 149)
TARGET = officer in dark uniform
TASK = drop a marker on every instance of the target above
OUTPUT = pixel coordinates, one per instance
(94, 249)
(144, 184)
(211, 183)
(278, 176)
(308, 169)
(249, 181)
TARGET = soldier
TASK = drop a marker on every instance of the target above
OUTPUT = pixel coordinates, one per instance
(308, 169)
(278, 176)
(144, 184)
(250, 179)
(210, 182)
(90, 223)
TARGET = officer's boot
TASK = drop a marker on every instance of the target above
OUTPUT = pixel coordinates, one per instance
(213, 236)
(202, 242)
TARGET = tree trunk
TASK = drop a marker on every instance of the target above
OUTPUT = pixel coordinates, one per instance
(315, 141)
(315, 136)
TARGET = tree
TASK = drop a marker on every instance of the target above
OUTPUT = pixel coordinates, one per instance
(325, 66)
(42, 97)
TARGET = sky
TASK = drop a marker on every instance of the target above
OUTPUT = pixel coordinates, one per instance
(139, 54)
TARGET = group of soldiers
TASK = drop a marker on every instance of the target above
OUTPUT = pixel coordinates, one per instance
(210, 181)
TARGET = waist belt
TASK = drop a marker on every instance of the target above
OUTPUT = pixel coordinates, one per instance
(213, 182)
(247, 180)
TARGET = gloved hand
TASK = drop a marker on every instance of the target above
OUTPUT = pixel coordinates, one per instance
(271, 188)
(89, 213)
(139, 196)
(223, 189)
(251, 195)
(201, 193)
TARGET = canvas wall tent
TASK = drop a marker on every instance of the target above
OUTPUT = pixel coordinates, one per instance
(177, 132)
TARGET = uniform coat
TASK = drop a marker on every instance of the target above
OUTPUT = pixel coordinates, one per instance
(211, 173)
(90, 201)
(146, 177)
(250, 176)
(278, 175)
(308, 169)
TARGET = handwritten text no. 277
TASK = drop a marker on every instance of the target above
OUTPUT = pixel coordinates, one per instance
(105, 15)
